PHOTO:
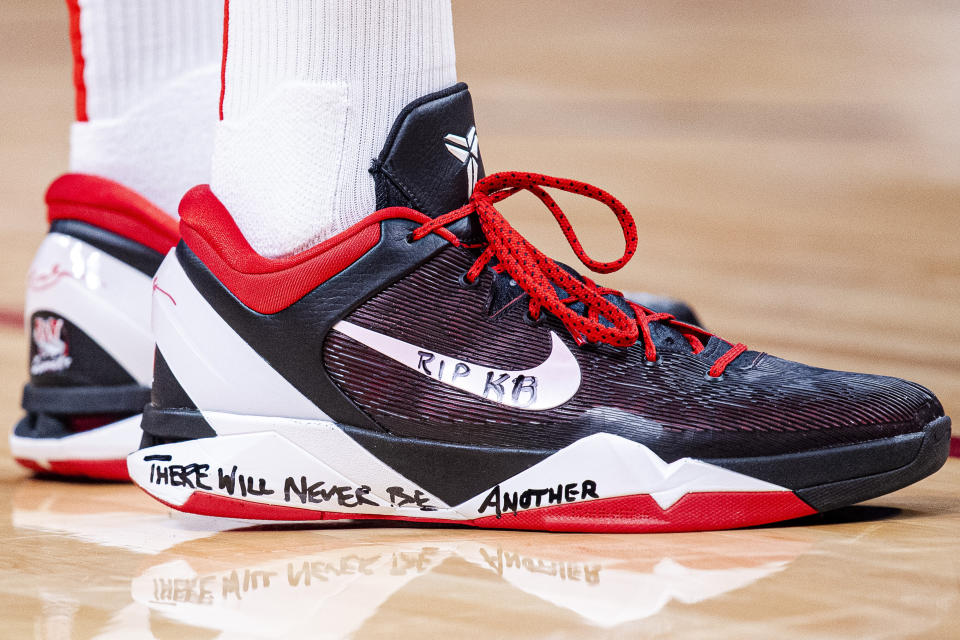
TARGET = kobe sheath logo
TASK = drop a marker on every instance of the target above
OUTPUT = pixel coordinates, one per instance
(52, 350)
(549, 384)
(467, 151)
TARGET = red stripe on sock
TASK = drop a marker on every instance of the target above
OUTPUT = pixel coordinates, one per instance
(73, 7)
(223, 61)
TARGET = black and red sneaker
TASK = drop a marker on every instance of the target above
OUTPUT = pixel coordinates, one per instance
(429, 364)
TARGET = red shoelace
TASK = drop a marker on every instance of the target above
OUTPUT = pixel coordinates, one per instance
(536, 273)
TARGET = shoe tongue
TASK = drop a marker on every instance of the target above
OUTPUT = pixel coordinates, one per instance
(431, 159)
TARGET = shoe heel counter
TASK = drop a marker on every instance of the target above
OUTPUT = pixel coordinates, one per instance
(86, 317)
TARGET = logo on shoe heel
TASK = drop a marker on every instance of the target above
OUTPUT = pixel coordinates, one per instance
(52, 349)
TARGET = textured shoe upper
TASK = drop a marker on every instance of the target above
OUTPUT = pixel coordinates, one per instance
(762, 405)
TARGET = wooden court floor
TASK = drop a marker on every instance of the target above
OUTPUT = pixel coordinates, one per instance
(794, 168)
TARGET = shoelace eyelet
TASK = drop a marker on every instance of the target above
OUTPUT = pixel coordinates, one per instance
(467, 284)
(409, 238)
(530, 320)
(653, 363)
(711, 378)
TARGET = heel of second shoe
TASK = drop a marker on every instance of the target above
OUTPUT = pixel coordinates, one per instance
(96, 453)
(79, 430)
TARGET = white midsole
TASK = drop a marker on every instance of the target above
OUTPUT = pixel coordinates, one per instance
(112, 441)
(313, 464)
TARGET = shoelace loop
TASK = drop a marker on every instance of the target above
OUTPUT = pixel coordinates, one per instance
(536, 273)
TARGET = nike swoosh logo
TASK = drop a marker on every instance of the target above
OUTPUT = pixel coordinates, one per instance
(548, 385)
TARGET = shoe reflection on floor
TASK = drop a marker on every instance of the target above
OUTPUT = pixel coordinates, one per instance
(285, 580)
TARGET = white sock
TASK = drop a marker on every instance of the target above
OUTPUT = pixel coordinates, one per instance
(311, 89)
(147, 91)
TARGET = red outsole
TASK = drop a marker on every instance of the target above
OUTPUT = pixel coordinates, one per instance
(95, 469)
(626, 514)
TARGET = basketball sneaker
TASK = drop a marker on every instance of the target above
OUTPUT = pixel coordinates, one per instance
(430, 364)
(88, 322)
